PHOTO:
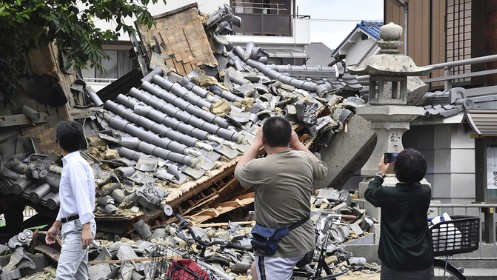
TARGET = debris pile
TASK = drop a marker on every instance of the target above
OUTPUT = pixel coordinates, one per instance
(333, 212)
(172, 142)
(19, 259)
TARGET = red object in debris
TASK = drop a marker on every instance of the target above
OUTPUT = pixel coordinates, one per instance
(186, 269)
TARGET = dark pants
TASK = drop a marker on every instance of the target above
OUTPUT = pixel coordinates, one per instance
(390, 274)
(12, 208)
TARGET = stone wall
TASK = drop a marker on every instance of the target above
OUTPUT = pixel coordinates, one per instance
(451, 160)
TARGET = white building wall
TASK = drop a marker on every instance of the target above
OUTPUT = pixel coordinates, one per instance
(357, 51)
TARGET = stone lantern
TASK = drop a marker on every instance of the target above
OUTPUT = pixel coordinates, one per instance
(387, 108)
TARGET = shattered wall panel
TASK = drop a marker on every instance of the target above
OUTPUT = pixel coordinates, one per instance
(180, 38)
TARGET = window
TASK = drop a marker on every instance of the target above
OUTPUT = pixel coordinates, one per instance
(116, 66)
(263, 17)
(458, 42)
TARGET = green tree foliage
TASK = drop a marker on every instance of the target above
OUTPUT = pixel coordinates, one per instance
(26, 24)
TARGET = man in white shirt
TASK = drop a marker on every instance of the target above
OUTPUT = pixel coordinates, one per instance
(77, 202)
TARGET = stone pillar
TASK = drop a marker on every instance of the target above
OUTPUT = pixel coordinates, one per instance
(387, 108)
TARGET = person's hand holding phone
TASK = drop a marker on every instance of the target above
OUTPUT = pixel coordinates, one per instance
(389, 157)
(386, 163)
(382, 166)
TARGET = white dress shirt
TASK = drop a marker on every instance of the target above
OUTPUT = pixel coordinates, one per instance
(77, 189)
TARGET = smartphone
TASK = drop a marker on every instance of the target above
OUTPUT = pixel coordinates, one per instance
(389, 157)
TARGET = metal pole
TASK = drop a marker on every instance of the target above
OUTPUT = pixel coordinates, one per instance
(448, 82)
(489, 230)
(406, 14)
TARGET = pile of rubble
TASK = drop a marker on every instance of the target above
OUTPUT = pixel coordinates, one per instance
(172, 142)
(173, 136)
(125, 258)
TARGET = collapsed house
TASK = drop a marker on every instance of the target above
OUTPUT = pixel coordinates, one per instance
(169, 140)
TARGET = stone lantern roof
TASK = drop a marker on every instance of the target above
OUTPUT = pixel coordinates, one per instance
(390, 61)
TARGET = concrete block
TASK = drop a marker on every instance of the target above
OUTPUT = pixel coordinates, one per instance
(462, 161)
(441, 187)
(442, 160)
(460, 139)
(487, 250)
(376, 230)
(442, 136)
(371, 211)
(430, 159)
(416, 89)
(370, 252)
(369, 238)
(353, 183)
(362, 188)
(347, 151)
(463, 186)
(356, 229)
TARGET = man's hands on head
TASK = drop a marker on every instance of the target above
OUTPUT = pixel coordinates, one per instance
(258, 141)
(295, 142)
(252, 151)
(297, 145)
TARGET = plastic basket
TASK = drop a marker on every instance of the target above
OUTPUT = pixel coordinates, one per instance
(186, 269)
(168, 263)
(459, 235)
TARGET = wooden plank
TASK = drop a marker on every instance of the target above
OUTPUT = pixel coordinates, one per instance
(203, 185)
(222, 208)
(179, 67)
(252, 223)
(20, 119)
(188, 67)
(196, 205)
(144, 259)
(48, 251)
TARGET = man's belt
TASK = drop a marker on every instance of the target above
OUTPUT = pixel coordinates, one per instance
(70, 218)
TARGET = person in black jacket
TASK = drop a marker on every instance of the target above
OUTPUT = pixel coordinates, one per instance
(405, 248)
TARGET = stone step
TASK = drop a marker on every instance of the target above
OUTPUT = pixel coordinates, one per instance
(480, 273)
(478, 265)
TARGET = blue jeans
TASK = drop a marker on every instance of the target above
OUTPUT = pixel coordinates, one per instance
(73, 260)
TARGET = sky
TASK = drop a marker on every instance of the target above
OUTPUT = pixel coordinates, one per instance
(327, 25)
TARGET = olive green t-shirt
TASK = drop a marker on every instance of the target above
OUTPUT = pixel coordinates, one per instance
(283, 184)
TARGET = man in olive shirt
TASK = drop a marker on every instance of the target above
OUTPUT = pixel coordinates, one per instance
(405, 247)
(283, 184)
